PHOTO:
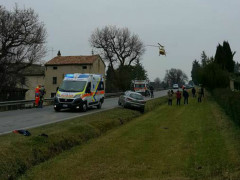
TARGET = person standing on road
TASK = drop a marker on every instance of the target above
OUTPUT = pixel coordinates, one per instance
(170, 96)
(37, 96)
(178, 95)
(185, 95)
(42, 93)
(193, 92)
(151, 91)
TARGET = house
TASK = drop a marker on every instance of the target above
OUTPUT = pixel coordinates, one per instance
(27, 80)
(33, 76)
(56, 68)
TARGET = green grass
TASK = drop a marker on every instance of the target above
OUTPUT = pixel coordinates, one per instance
(196, 141)
(19, 153)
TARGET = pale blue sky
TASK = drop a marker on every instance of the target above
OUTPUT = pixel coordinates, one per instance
(185, 27)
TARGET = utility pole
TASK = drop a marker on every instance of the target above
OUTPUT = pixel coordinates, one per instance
(52, 50)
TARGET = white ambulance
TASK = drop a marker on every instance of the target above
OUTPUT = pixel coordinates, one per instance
(141, 86)
(80, 91)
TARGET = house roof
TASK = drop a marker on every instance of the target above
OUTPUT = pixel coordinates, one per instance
(34, 70)
(69, 60)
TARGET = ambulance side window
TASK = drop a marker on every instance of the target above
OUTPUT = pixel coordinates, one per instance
(101, 86)
(88, 89)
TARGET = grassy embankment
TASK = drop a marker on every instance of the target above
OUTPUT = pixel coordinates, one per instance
(196, 141)
(19, 153)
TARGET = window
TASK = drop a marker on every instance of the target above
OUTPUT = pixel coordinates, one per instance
(88, 89)
(139, 85)
(55, 67)
(136, 96)
(72, 86)
(101, 86)
(53, 95)
(54, 80)
(84, 67)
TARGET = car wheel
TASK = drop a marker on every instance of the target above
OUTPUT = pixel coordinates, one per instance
(84, 107)
(99, 106)
(119, 103)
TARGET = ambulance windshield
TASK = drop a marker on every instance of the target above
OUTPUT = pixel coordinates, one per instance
(139, 85)
(72, 86)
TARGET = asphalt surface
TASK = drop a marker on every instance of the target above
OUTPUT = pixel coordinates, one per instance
(29, 118)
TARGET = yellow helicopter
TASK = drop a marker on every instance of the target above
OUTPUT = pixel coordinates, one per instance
(161, 49)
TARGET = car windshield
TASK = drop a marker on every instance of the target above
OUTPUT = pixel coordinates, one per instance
(136, 96)
(72, 86)
(139, 85)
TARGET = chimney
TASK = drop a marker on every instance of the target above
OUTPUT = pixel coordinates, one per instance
(59, 53)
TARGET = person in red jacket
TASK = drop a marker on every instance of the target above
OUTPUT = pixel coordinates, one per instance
(37, 96)
(179, 95)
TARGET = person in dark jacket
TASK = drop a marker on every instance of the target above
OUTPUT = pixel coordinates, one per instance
(42, 93)
(185, 95)
(193, 92)
(178, 95)
(151, 91)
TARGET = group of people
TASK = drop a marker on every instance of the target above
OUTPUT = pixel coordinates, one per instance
(39, 96)
(185, 94)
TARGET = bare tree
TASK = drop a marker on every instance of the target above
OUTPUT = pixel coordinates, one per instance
(177, 76)
(22, 39)
(157, 82)
(117, 45)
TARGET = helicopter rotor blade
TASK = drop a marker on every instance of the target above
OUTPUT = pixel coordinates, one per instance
(160, 45)
(152, 45)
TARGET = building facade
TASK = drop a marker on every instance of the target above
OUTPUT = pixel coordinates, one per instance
(56, 68)
(33, 76)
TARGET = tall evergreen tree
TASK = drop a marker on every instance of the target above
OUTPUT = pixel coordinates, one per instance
(195, 73)
(224, 57)
(139, 72)
(204, 59)
(110, 80)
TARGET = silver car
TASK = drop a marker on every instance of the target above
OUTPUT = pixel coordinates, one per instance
(132, 99)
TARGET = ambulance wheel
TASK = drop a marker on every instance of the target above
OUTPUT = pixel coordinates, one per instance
(57, 109)
(84, 107)
(99, 106)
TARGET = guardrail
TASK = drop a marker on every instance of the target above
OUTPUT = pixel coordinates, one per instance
(19, 102)
(8, 105)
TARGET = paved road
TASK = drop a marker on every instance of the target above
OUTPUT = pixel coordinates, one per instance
(29, 118)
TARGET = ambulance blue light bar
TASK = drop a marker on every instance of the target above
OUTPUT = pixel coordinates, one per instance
(69, 75)
(83, 76)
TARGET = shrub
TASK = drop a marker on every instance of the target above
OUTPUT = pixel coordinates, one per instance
(230, 102)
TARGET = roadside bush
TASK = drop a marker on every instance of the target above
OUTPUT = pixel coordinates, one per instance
(230, 102)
